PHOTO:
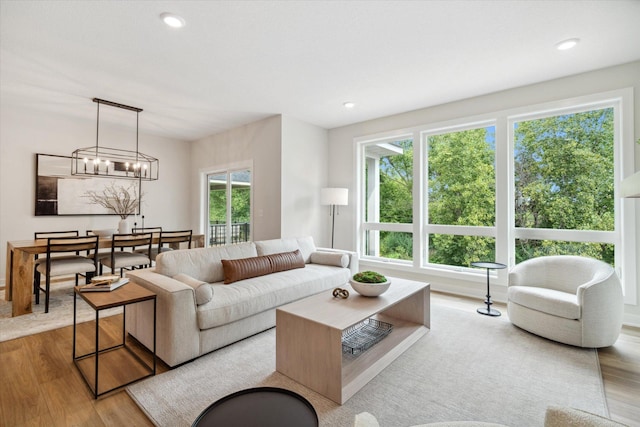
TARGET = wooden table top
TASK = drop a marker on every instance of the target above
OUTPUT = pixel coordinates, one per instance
(39, 246)
(339, 313)
(125, 294)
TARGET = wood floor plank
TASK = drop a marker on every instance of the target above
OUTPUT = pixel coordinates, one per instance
(119, 410)
(20, 393)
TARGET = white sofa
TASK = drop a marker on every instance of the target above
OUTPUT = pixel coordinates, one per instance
(570, 299)
(197, 313)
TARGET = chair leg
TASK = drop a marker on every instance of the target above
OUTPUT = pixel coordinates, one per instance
(46, 294)
(36, 286)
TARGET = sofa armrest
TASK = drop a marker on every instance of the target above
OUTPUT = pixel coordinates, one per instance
(353, 258)
(177, 329)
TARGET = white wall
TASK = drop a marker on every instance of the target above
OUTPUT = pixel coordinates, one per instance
(304, 172)
(24, 132)
(341, 147)
(257, 143)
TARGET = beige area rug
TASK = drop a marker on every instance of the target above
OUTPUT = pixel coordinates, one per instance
(60, 313)
(468, 367)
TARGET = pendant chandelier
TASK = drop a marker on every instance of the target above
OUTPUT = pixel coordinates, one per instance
(106, 162)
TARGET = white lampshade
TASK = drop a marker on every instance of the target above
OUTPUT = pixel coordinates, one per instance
(334, 196)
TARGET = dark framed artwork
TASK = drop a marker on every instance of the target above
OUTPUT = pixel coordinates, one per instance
(60, 193)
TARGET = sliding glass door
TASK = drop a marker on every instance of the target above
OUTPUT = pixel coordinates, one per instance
(229, 195)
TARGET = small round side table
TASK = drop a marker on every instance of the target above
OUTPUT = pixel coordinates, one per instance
(259, 407)
(489, 266)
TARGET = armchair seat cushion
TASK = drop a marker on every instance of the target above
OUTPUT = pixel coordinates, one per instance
(550, 301)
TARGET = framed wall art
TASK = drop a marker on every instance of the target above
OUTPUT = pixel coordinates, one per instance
(60, 193)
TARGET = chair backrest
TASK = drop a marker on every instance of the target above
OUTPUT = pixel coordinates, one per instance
(155, 230)
(46, 234)
(72, 244)
(559, 272)
(132, 240)
(176, 237)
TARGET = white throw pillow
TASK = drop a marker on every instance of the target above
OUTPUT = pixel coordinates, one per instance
(204, 291)
(330, 258)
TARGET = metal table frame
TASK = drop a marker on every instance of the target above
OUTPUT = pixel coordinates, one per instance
(98, 352)
(489, 266)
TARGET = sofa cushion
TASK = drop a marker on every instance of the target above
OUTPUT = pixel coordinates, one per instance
(252, 296)
(330, 258)
(202, 263)
(550, 301)
(204, 291)
(245, 268)
(274, 246)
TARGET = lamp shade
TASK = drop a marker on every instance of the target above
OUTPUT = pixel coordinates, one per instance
(334, 196)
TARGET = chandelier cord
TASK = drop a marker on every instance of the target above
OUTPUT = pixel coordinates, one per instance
(97, 129)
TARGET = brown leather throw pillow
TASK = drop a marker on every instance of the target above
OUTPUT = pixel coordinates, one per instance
(246, 268)
(286, 261)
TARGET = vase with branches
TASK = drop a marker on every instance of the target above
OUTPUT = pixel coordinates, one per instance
(123, 200)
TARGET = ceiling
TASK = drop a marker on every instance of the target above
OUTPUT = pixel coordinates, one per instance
(239, 61)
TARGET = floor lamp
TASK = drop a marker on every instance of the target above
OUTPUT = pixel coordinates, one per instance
(334, 197)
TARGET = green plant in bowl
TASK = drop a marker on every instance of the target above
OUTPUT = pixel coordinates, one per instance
(369, 277)
(369, 283)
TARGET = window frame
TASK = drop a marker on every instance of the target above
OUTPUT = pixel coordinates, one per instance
(504, 231)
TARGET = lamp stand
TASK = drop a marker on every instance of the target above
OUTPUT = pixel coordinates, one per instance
(332, 212)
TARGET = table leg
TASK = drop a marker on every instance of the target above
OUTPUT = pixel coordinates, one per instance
(8, 274)
(22, 282)
(95, 392)
(488, 311)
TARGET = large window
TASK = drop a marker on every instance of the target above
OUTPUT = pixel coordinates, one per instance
(388, 207)
(564, 180)
(502, 187)
(460, 196)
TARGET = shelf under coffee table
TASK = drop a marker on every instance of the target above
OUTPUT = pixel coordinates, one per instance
(309, 336)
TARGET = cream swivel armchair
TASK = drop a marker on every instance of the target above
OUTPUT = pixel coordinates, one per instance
(571, 299)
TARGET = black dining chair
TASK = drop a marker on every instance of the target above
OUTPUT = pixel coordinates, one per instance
(68, 264)
(173, 238)
(123, 252)
(37, 260)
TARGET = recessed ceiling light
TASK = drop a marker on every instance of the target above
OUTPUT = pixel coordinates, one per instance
(567, 44)
(172, 20)
(348, 104)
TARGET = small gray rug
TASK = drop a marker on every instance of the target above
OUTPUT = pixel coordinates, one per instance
(60, 313)
(468, 367)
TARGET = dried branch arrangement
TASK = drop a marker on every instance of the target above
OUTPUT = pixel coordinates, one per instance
(123, 201)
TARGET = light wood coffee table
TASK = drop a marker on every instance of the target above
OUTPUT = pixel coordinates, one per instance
(309, 336)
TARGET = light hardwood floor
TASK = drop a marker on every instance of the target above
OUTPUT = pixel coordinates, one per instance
(40, 385)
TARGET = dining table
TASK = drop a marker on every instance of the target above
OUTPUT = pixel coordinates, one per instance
(20, 264)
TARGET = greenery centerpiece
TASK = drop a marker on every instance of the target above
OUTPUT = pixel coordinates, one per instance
(369, 283)
(369, 277)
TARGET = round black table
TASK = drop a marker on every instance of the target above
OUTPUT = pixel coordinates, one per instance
(489, 266)
(260, 406)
